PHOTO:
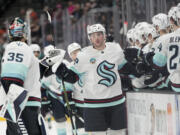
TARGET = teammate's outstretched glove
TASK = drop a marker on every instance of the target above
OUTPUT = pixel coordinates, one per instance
(62, 71)
(153, 77)
(66, 74)
(143, 68)
(133, 55)
(148, 58)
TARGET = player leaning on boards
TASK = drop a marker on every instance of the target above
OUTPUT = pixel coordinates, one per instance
(99, 64)
(20, 67)
(169, 54)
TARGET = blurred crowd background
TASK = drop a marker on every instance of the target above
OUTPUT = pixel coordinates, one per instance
(71, 17)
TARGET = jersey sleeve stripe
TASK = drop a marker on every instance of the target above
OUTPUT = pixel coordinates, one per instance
(122, 64)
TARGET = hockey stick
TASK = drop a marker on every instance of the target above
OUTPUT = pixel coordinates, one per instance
(69, 108)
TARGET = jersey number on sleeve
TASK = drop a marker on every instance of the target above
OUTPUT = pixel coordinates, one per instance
(18, 57)
(175, 49)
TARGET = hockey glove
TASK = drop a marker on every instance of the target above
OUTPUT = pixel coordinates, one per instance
(133, 55)
(148, 57)
(153, 77)
(66, 74)
(143, 68)
(157, 74)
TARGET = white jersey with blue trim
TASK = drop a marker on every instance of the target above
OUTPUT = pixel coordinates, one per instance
(98, 73)
(170, 55)
(147, 48)
(19, 62)
(52, 84)
(157, 44)
(78, 91)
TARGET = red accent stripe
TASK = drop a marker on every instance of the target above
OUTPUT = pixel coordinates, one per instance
(156, 66)
(68, 92)
(42, 88)
(34, 99)
(77, 77)
(159, 83)
(1, 107)
(13, 79)
(176, 85)
(78, 101)
(104, 100)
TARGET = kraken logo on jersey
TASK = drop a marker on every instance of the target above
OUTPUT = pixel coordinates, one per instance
(104, 70)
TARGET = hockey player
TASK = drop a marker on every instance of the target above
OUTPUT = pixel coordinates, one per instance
(52, 98)
(103, 99)
(169, 53)
(160, 22)
(73, 50)
(20, 67)
(36, 50)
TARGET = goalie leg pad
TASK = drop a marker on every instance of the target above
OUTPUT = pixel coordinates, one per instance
(15, 102)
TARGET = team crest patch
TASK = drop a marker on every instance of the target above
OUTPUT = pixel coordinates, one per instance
(92, 60)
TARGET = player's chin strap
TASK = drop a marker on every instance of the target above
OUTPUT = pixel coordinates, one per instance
(42, 125)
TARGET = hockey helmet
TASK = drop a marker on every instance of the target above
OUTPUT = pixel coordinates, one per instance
(72, 47)
(35, 47)
(160, 20)
(130, 35)
(95, 28)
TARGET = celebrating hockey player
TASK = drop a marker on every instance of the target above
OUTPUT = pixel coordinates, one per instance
(169, 53)
(73, 50)
(99, 65)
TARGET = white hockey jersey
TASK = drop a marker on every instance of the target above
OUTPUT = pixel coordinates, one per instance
(78, 91)
(99, 75)
(20, 63)
(170, 55)
(53, 85)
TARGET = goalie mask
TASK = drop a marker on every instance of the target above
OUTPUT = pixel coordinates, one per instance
(17, 28)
